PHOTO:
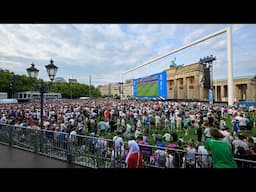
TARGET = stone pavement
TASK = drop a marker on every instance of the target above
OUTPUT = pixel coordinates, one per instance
(17, 158)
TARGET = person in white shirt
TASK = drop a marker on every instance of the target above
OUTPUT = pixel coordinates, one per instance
(240, 143)
(118, 144)
(243, 123)
(72, 135)
(204, 158)
(157, 121)
(172, 119)
(169, 160)
(3, 119)
(190, 156)
(226, 135)
(137, 133)
(206, 130)
(167, 137)
(102, 145)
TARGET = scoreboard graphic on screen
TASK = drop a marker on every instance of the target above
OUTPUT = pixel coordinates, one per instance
(153, 86)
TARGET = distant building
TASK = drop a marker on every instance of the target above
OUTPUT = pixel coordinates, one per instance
(104, 89)
(3, 95)
(244, 89)
(110, 89)
(72, 81)
(128, 89)
(192, 82)
(60, 79)
(188, 82)
(114, 89)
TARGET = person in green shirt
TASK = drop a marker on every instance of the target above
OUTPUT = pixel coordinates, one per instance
(219, 150)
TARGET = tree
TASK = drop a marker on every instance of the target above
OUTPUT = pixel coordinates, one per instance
(24, 83)
(74, 90)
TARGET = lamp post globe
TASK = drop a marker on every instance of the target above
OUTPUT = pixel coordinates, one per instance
(32, 71)
(42, 87)
(51, 70)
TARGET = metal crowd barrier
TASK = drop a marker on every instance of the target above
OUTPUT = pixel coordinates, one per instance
(95, 152)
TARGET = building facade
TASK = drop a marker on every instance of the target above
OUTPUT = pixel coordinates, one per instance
(104, 89)
(244, 89)
(188, 82)
(110, 89)
(115, 89)
(193, 82)
(128, 87)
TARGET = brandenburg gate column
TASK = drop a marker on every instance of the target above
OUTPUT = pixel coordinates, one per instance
(215, 92)
(185, 91)
(221, 91)
(175, 89)
(197, 88)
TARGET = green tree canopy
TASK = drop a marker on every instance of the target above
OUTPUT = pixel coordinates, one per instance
(10, 83)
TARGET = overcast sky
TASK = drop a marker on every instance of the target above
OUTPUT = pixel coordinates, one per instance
(104, 51)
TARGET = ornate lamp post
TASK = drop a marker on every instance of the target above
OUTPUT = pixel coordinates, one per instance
(42, 87)
(13, 85)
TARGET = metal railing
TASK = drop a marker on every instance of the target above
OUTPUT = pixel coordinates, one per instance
(95, 152)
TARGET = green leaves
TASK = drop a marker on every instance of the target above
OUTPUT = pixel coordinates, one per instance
(24, 83)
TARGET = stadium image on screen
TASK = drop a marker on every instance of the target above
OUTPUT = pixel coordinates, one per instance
(153, 86)
(147, 87)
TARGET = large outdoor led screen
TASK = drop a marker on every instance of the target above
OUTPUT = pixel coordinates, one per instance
(152, 86)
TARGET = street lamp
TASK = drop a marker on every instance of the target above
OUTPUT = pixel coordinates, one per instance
(13, 85)
(42, 87)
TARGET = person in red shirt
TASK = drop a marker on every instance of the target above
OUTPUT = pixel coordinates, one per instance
(134, 157)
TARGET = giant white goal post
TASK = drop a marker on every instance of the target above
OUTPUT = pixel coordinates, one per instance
(228, 31)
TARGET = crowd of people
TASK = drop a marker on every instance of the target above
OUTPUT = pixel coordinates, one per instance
(163, 124)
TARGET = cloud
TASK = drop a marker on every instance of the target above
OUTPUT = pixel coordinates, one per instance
(193, 36)
(106, 50)
(237, 27)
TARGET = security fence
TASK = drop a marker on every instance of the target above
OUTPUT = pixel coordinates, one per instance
(95, 152)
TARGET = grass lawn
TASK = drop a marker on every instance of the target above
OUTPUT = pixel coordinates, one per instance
(192, 133)
(246, 133)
